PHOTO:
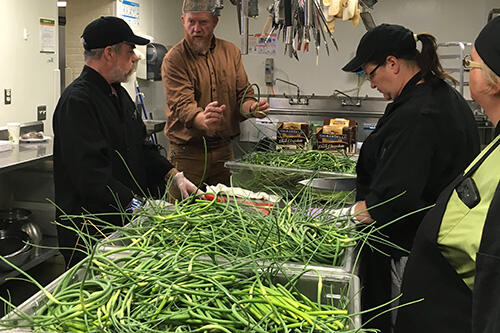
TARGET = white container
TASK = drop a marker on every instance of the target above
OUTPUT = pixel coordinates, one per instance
(14, 132)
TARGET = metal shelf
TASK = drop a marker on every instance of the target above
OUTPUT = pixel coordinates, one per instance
(460, 48)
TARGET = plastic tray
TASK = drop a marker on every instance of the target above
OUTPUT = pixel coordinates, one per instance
(338, 287)
(273, 179)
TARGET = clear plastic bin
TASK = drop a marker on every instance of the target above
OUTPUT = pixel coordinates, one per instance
(278, 180)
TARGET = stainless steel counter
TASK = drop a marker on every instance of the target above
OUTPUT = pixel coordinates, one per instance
(24, 154)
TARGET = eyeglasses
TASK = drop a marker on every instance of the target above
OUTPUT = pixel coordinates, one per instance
(468, 63)
(371, 75)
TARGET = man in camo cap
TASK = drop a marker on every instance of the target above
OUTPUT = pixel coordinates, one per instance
(202, 6)
(205, 84)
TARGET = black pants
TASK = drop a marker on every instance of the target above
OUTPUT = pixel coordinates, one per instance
(375, 273)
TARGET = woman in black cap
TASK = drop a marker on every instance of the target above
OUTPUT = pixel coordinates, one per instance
(426, 137)
(454, 264)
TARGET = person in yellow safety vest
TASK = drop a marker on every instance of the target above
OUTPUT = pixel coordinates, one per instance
(454, 265)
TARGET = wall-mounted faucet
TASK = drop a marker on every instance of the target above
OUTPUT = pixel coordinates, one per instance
(349, 101)
(298, 100)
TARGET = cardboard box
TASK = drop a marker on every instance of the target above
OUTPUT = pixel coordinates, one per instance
(293, 135)
(336, 134)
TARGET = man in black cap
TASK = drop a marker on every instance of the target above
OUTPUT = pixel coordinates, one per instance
(426, 137)
(454, 265)
(102, 161)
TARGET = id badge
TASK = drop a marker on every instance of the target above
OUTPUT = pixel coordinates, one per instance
(467, 192)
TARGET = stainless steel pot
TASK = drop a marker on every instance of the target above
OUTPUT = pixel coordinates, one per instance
(14, 247)
(20, 218)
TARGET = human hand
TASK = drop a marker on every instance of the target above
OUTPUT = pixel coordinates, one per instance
(259, 109)
(186, 188)
(357, 212)
(210, 117)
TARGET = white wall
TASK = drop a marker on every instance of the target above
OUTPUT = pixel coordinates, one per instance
(447, 20)
(166, 28)
(31, 75)
(79, 13)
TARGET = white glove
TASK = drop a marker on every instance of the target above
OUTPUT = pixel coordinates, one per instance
(184, 185)
(342, 213)
(242, 193)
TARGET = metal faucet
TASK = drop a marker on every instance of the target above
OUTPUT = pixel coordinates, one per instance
(351, 101)
(290, 83)
(294, 101)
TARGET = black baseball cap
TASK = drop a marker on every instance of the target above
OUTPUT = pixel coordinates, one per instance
(109, 30)
(488, 46)
(380, 42)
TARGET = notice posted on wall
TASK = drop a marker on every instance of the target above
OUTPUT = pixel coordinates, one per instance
(48, 41)
(262, 44)
(129, 11)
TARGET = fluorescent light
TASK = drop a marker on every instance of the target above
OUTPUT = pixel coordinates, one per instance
(61, 4)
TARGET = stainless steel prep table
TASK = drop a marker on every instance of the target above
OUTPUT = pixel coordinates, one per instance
(24, 154)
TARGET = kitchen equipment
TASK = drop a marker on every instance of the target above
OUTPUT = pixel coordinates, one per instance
(19, 218)
(15, 247)
(332, 189)
(331, 184)
(274, 180)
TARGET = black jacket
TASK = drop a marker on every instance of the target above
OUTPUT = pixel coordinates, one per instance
(425, 138)
(100, 151)
(445, 303)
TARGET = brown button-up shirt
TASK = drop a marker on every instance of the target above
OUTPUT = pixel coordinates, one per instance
(193, 80)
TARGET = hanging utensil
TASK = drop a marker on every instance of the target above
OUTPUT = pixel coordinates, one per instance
(323, 19)
(288, 27)
(318, 24)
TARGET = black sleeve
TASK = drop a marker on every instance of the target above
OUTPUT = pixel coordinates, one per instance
(157, 163)
(486, 293)
(404, 168)
(86, 154)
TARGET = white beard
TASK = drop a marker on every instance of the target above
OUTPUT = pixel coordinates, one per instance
(121, 76)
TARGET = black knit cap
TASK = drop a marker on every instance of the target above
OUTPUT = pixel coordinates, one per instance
(487, 45)
(380, 42)
(109, 30)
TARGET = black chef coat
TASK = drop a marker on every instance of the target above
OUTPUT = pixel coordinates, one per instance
(93, 130)
(425, 138)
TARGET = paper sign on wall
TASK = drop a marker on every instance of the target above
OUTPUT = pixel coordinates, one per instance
(262, 44)
(48, 41)
(129, 11)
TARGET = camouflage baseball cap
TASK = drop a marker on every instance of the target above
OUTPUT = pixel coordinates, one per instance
(202, 6)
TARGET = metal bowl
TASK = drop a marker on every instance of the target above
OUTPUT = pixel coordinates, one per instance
(331, 184)
(14, 247)
(20, 219)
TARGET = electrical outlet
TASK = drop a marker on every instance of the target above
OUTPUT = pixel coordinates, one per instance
(7, 96)
(269, 71)
(41, 112)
